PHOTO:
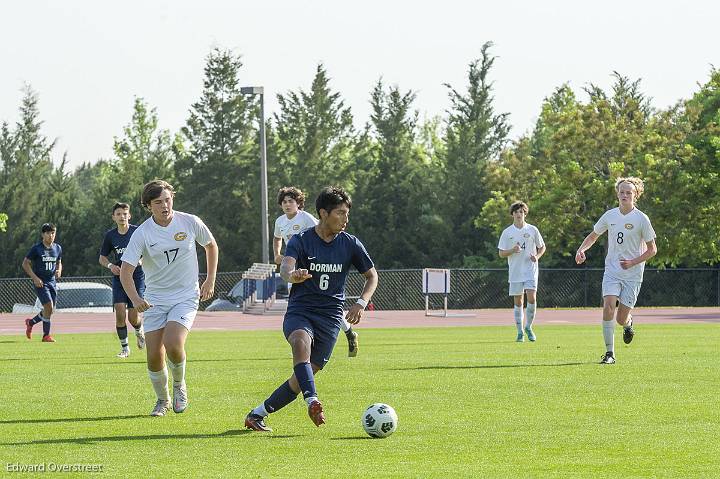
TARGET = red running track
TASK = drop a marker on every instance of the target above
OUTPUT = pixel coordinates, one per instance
(65, 323)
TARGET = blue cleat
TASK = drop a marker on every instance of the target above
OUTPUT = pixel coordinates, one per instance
(520, 338)
(530, 334)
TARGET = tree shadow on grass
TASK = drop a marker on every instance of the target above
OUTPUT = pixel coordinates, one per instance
(150, 437)
(71, 419)
(143, 361)
(351, 438)
(493, 366)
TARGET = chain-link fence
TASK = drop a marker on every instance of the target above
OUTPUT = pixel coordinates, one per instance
(470, 289)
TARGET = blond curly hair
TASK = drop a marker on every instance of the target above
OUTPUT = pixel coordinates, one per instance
(636, 182)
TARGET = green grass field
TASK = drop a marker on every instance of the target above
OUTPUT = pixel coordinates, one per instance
(471, 403)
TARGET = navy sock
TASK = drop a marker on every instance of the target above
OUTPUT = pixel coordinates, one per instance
(304, 375)
(280, 398)
(122, 334)
(36, 319)
(46, 327)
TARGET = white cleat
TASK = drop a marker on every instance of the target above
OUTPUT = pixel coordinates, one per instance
(124, 353)
(140, 336)
(161, 408)
(180, 400)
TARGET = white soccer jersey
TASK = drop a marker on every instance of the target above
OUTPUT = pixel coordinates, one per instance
(627, 238)
(169, 257)
(520, 267)
(285, 228)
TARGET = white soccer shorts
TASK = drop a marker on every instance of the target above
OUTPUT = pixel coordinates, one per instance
(518, 287)
(626, 291)
(157, 317)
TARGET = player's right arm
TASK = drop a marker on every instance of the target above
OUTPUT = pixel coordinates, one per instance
(106, 263)
(502, 247)
(131, 258)
(586, 245)
(290, 274)
(504, 253)
(277, 244)
(27, 267)
(126, 278)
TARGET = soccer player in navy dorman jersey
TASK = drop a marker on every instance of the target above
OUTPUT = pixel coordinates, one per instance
(317, 262)
(115, 241)
(43, 264)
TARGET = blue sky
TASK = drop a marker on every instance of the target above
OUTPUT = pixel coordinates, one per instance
(88, 60)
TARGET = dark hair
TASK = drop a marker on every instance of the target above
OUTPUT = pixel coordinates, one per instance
(330, 198)
(292, 192)
(120, 206)
(153, 190)
(519, 205)
(48, 227)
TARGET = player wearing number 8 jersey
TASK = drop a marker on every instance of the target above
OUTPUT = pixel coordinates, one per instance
(166, 244)
(317, 262)
(631, 242)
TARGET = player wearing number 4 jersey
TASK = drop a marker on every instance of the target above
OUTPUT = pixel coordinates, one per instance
(631, 242)
(523, 246)
(166, 244)
(317, 262)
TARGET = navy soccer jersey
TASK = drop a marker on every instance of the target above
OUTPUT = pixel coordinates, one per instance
(114, 242)
(329, 265)
(44, 260)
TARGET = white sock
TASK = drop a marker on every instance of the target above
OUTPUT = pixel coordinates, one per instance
(310, 400)
(530, 316)
(519, 318)
(609, 335)
(628, 324)
(159, 380)
(345, 325)
(177, 370)
(261, 411)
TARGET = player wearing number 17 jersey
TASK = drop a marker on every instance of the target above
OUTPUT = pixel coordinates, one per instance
(166, 244)
(317, 262)
(631, 242)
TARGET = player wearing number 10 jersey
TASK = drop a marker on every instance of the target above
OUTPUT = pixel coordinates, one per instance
(631, 242)
(43, 264)
(317, 261)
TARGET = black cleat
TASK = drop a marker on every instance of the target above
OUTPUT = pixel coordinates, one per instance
(256, 423)
(628, 332)
(607, 358)
(353, 344)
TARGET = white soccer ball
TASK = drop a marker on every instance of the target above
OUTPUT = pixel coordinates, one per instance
(379, 420)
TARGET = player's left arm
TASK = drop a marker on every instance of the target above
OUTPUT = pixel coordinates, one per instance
(538, 254)
(354, 315)
(649, 253)
(212, 252)
(58, 269)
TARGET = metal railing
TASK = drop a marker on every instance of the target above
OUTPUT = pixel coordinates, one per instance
(469, 288)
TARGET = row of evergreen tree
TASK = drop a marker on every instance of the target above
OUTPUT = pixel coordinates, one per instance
(426, 193)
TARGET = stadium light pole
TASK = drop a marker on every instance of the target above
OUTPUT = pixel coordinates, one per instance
(258, 90)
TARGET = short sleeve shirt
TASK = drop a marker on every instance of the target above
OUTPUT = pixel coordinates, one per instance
(45, 260)
(169, 257)
(329, 265)
(520, 268)
(286, 227)
(627, 238)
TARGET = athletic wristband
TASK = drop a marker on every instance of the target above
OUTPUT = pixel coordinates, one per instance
(362, 303)
(109, 266)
